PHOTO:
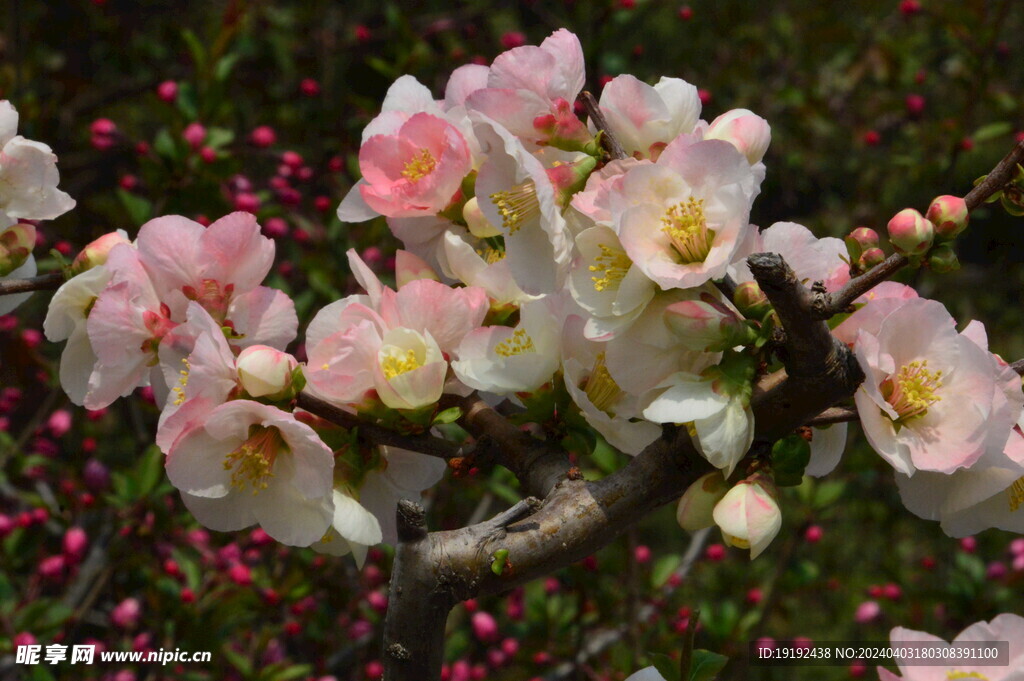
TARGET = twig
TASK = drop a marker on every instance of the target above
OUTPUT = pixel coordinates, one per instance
(1018, 366)
(834, 415)
(611, 144)
(828, 304)
(44, 282)
(378, 435)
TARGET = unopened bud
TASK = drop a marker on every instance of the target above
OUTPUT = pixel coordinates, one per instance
(569, 178)
(950, 216)
(694, 511)
(910, 233)
(865, 236)
(751, 300)
(478, 224)
(95, 254)
(410, 267)
(943, 259)
(745, 130)
(871, 257)
(749, 515)
(706, 324)
(265, 371)
(16, 244)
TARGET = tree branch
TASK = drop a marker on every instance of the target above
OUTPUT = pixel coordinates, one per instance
(828, 304)
(44, 282)
(378, 435)
(834, 415)
(537, 465)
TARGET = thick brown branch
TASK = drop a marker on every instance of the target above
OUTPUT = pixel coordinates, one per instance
(378, 435)
(820, 370)
(537, 465)
(611, 145)
(44, 282)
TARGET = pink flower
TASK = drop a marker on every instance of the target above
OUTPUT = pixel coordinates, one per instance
(28, 174)
(745, 130)
(646, 118)
(930, 400)
(1005, 627)
(416, 171)
(248, 463)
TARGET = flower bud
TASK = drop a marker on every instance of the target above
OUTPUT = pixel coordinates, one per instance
(478, 224)
(943, 259)
(749, 515)
(265, 371)
(705, 325)
(125, 614)
(95, 254)
(194, 134)
(409, 267)
(569, 178)
(871, 257)
(745, 130)
(949, 214)
(910, 233)
(865, 236)
(16, 244)
(485, 627)
(698, 501)
(751, 300)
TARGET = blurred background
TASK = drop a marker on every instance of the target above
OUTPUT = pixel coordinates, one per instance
(201, 108)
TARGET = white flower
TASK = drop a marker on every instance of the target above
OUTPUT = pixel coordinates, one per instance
(28, 174)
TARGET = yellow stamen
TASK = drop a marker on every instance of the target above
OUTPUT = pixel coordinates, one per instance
(517, 344)
(952, 675)
(253, 460)
(1016, 494)
(421, 165)
(517, 205)
(613, 264)
(396, 363)
(179, 390)
(491, 255)
(912, 390)
(600, 387)
(686, 226)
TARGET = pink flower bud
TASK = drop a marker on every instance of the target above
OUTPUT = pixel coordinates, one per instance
(125, 614)
(194, 134)
(263, 136)
(374, 669)
(52, 567)
(949, 214)
(485, 628)
(749, 515)
(510, 646)
(248, 203)
(694, 511)
(167, 91)
(208, 154)
(75, 543)
(968, 544)
(813, 534)
(866, 612)
(263, 370)
(95, 254)
(706, 324)
(910, 233)
(751, 300)
(309, 87)
(103, 126)
(871, 257)
(714, 552)
(865, 236)
(642, 554)
(240, 575)
(513, 39)
(745, 130)
(275, 228)
(1017, 547)
(915, 105)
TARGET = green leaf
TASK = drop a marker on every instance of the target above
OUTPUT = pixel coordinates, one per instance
(498, 561)
(663, 569)
(149, 470)
(195, 48)
(706, 665)
(828, 492)
(225, 65)
(187, 101)
(219, 137)
(448, 416)
(138, 208)
(790, 457)
(665, 665)
(163, 144)
(992, 130)
(237, 660)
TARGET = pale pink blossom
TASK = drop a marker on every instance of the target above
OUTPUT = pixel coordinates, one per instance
(263, 370)
(402, 474)
(249, 463)
(931, 400)
(28, 174)
(645, 118)
(811, 258)
(745, 130)
(353, 528)
(749, 515)
(1006, 627)
(685, 217)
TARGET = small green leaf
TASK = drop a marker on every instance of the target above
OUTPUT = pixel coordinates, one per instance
(138, 208)
(790, 457)
(991, 131)
(665, 665)
(663, 569)
(828, 492)
(448, 416)
(219, 137)
(498, 561)
(706, 665)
